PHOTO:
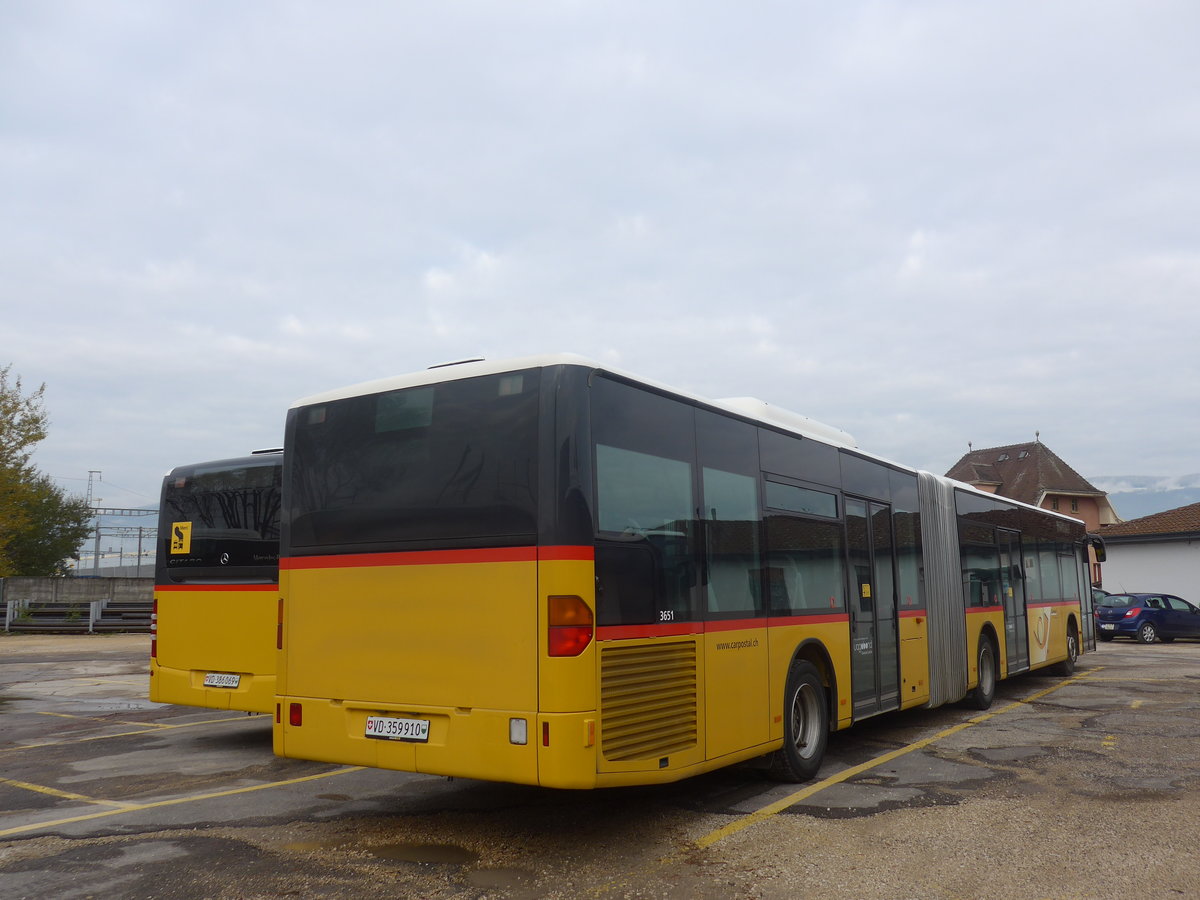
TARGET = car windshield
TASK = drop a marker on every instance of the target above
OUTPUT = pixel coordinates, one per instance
(1119, 601)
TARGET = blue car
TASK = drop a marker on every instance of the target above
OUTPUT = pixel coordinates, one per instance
(1146, 617)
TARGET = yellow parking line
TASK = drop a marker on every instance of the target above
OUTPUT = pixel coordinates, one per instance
(64, 795)
(772, 809)
(138, 807)
(792, 799)
(100, 719)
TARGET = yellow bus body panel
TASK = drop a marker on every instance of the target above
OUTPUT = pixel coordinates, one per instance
(452, 643)
(914, 660)
(737, 709)
(219, 629)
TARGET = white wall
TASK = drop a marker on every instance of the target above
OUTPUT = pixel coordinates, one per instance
(1171, 567)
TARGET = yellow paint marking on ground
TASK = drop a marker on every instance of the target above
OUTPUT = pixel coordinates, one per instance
(105, 737)
(64, 795)
(101, 719)
(1136, 703)
(804, 793)
(1109, 742)
(138, 807)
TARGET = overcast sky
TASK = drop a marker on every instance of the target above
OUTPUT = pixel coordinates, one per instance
(927, 223)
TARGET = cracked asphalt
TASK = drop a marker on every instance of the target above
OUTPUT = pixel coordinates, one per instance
(1083, 787)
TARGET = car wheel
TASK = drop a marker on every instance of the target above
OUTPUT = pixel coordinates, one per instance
(985, 691)
(1146, 633)
(805, 725)
(1105, 637)
(1165, 639)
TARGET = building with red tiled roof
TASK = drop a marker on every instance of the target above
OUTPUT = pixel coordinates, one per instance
(1160, 552)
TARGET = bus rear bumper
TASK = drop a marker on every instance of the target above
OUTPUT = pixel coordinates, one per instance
(255, 692)
(461, 743)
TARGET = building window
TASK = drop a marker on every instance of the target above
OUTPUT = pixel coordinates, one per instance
(1074, 505)
(1054, 504)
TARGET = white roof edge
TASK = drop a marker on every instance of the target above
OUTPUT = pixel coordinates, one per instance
(446, 372)
(785, 418)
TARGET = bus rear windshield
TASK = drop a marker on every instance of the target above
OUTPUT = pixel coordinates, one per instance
(449, 464)
(222, 521)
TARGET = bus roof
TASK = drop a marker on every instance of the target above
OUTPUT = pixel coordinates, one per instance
(747, 407)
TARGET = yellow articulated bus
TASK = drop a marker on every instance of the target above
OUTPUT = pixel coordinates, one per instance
(544, 571)
(216, 591)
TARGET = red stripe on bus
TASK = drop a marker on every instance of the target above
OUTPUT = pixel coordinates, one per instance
(822, 619)
(733, 624)
(624, 632)
(439, 557)
(1044, 604)
(676, 629)
(411, 558)
(216, 587)
(912, 613)
(583, 554)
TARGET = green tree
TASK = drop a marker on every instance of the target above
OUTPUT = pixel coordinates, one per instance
(36, 518)
(55, 526)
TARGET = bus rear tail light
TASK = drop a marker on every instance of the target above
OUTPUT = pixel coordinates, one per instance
(154, 630)
(295, 714)
(571, 626)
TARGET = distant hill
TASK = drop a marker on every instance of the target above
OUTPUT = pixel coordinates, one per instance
(1134, 496)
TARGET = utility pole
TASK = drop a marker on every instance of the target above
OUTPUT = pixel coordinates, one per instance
(95, 521)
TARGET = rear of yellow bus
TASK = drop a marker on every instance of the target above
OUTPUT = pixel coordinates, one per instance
(436, 589)
(216, 592)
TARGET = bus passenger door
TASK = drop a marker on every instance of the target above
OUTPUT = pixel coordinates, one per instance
(874, 659)
(1012, 586)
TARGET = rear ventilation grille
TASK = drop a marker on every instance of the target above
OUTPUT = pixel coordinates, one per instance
(647, 700)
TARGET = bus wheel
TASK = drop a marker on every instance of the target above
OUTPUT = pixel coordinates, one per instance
(805, 725)
(985, 692)
(1067, 666)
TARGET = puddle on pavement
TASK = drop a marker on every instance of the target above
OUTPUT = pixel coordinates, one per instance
(424, 853)
(499, 879)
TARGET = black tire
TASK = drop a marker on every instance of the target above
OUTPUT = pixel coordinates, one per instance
(1146, 633)
(1105, 636)
(1067, 666)
(984, 692)
(1165, 639)
(805, 725)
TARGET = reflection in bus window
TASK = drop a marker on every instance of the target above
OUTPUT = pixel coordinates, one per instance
(731, 537)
